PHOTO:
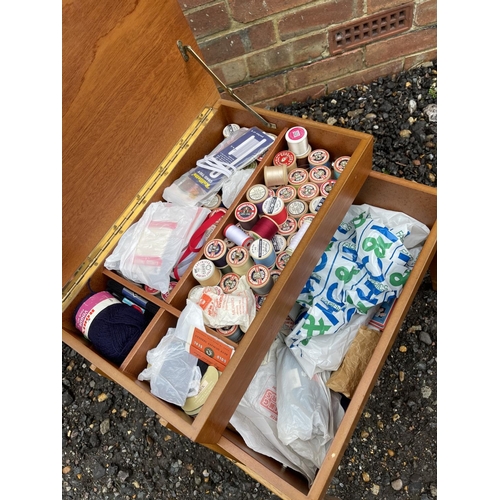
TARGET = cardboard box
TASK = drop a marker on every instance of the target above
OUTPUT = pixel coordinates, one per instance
(136, 116)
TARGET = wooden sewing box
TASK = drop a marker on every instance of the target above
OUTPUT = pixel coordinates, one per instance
(138, 111)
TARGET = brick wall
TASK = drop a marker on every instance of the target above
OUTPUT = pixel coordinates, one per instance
(279, 51)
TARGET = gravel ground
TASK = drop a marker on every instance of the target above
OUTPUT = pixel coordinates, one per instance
(114, 447)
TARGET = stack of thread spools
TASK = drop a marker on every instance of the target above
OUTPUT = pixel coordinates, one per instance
(271, 221)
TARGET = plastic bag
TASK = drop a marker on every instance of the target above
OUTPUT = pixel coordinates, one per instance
(173, 372)
(366, 263)
(309, 414)
(256, 416)
(148, 251)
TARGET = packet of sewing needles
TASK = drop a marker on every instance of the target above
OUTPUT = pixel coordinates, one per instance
(206, 178)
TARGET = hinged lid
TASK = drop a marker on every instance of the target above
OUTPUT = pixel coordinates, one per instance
(128, 97)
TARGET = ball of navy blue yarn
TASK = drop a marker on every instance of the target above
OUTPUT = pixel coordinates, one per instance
(115, 330)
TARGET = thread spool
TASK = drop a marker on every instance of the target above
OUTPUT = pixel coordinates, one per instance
(275, 274)
(296, 138)
(288, 227)
(308, 191)
(171, 286)
(213, 202)
(215, 250)
(206, 274)
(262, 252)
(232, 333)
(326, 187)
(315, 204)
(237, 235)
(278, 242)
(152, 291)
(111, 326)
(303, 160)
(297, 177)
(286, 193)
(259, 301)
(246, 214)
(256, 194)
(282, 260)
(259, 279)
(319, 157)
(229, 282)
(275, 175)
(339, 165)
(319, 175)
(286, 158)
(304, 218)
(230, 129)
(275, 209)
(239, 259)
(297, 237)
(264, 228)
(297, 208)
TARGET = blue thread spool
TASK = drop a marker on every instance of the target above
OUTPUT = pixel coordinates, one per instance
(262, 252)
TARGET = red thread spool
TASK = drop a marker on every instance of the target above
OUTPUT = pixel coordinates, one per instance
(264, 228)
(275, 209)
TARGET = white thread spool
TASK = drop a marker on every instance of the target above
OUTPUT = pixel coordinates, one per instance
(296, 138)
(237, 235)
(295, 238)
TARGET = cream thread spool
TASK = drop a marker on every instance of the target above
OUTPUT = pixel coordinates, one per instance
(275, 209)
(297, 208)
(237, 235)
(256, 194)
(308, 191)
(206, 274)
(296, 138)
(275, 175)
(315, 204)
(339, 165)
(259, 279)
(286, 193)
(287, 158)
(239, 259)
(262, 252)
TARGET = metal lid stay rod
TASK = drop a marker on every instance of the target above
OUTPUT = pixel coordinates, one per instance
(184, 49)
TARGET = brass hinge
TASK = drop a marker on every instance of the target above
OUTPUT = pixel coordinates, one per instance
(144, 196)
(184, 49)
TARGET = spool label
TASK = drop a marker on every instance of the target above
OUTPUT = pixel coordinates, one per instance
(258, 275)
(229, 282)
(286, 193)
(296, 134)
(203, 269)
(258, 193)
(296, 208)
(237, 255)
(273, 205)
(91, 308)
(297, 176)
(245, 212)
(308, 191)
(215, 249)
(318, 157)
(284, 158)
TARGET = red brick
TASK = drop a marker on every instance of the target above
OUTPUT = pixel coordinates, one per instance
(287, 55)
(315, 17)
(259, 36)
(208, 21)
(374, 6)
(260, 89)
(400, 46)
(324, 70)
(416, 60)
(221, 49)
(245, 11)
(365, 76)
(314, 92)
(231, 72)
(190, 4)
(426, 13)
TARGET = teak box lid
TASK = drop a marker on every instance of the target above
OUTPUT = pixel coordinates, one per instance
(128, 96)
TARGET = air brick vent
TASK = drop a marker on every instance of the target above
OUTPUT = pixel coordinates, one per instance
(371, 28)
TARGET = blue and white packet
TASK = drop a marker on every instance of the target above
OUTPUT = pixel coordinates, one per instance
(367, 262)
